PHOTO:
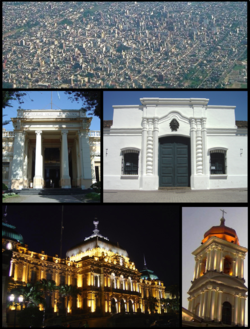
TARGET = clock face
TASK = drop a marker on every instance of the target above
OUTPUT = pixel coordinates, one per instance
(9, 246)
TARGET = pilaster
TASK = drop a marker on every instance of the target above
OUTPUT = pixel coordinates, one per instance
(25, 161)
(149, 167)
(143, 150)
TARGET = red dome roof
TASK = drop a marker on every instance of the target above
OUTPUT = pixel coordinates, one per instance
(222, 232)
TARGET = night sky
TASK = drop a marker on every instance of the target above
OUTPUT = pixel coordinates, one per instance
(139, 229)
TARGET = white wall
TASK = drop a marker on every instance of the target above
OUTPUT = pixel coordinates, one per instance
(220, 117)
(127, 117)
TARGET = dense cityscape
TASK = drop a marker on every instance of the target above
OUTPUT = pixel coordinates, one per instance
(124, 44)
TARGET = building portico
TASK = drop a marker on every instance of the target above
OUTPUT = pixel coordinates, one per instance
(51, 149)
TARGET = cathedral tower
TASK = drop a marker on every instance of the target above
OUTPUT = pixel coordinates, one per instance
(218, 292)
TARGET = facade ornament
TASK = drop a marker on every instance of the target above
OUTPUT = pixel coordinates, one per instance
(174, 125)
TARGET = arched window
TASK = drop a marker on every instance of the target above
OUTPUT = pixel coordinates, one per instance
(226, 313)
(218, 161)
(130, 161)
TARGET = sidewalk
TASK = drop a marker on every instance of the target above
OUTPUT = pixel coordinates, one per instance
(177, 195)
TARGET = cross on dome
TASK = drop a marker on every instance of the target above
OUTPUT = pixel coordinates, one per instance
(222, 221)
(96, 232)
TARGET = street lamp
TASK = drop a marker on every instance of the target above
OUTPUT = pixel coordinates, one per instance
(20, 301)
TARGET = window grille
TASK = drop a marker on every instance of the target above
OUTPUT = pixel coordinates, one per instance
(218, 162)
(130, 162)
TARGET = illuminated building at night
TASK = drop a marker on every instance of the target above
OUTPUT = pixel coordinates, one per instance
(218, 292)
(108, 279)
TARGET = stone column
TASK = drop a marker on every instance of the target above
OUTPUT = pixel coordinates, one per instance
(144, 146)
(78, 162)
(236, 305)
(204, 145)
(193, 150)
(201, 302)
(74, 166)
(234, 267)
(212, 305)
(17, 163)
(38, 164)
(242, 268)
(156, 131)
(237, 265)
(85, 163)
(215, 259)
(219, 305)
(25, 162)
(218, 260)
(242, 311)
(199, 162)
(149, 167)
(30, 164)
(65, 181)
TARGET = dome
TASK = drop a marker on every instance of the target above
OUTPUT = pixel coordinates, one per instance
(148, 275)
(222, 232)
(9, 232)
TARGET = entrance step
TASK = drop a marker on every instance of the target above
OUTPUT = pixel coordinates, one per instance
(52, 191)
(175, 188)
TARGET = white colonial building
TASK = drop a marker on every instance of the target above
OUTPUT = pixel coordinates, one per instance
(51, 148)
(174, 142)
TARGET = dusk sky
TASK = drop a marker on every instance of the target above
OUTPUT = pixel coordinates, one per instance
(195, 222)
(139, 229)
(232, 98)
(41, 100)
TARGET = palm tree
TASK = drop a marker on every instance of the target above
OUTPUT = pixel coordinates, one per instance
(67, 291)
(31, 295)
(48, 286)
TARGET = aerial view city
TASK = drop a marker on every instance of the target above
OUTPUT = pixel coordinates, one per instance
(124, 44)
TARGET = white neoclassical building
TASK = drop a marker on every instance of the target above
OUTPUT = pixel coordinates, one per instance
(174, 143)
(50, 148)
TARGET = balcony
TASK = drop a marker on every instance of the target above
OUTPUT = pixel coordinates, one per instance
(94, 133)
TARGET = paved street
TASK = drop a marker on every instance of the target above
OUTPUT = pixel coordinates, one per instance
(177, 195)
(49, 199)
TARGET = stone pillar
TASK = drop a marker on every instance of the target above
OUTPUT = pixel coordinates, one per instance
(78, 176)
(30, 178)
(234, 267)
(74, 167)
(143, 150)
(204, 147)
(219, 306)
(149, 167)
(215, 259)
(236, 306)
(65, 181)
(237, 265)
(193, 151)
(201, 303)
(17, 163)
(242, 311)
(206, 267)
(25, 162)
(218, 260)
(242, 268)
(85, 163)
(38, 164)
(207, 307)
(199, 162)
(156, 132)
(212, 305)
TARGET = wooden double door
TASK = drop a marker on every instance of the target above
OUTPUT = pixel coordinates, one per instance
(174, 161)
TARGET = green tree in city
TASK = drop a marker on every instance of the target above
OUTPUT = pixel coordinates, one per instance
(67, 291)
(90, 99)
(47, 287)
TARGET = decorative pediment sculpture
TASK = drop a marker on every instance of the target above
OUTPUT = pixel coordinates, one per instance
(174, 125)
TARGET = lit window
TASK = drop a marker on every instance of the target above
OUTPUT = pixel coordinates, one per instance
(218, 162)
(130, 160)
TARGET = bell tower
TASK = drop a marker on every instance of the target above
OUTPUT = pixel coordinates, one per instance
(217, 292)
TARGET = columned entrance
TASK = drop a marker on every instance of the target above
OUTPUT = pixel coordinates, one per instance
(174, 161)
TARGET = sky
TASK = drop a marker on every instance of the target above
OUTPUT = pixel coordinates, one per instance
(195, 222)
(42, 101)
(139, 229)
(232, 98)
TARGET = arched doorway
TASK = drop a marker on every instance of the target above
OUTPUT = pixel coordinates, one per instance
(113, 306)
(174, 161)
(122, 306)
(226, 313)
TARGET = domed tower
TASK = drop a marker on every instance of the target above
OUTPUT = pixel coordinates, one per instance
(218, 292)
